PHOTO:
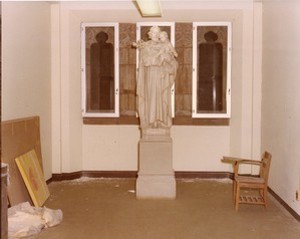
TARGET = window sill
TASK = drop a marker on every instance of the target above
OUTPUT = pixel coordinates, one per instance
(178, 120)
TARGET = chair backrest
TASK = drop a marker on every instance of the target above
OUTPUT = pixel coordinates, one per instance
(264, 170)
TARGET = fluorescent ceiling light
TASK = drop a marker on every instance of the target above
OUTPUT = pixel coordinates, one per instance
(149, 8)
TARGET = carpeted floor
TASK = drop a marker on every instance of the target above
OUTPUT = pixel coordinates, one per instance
(108, 209)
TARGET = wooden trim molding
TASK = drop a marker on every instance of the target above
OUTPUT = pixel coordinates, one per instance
(203, 175)
(109, 174)
(92, 174)
(64, 176)
(134, 174)
(133, 120)
(185, 120)
(284, 204)
(122, 120)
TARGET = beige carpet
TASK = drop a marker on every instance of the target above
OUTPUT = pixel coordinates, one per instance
(108, 209)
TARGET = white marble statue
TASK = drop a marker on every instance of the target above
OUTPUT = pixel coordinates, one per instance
(156, 76)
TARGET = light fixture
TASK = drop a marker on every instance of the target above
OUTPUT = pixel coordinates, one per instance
(149, 8)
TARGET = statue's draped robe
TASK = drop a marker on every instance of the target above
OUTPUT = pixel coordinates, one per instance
(155, 79)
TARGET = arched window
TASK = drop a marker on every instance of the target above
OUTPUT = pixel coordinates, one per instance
(100, 69)
(211, 69)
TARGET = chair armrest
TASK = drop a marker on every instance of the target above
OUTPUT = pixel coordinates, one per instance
(246, 161)
(232, 160)
(254, 162)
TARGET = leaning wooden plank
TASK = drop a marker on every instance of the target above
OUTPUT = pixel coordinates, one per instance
(33, 177)
(18, 137)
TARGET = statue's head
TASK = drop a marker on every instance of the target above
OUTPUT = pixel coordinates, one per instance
(163, 36)
(154, 33)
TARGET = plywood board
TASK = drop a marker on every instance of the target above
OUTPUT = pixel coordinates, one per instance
(33, 177)
(18, 137)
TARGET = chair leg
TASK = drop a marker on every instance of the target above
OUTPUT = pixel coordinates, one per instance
(265, 196)
(237, 196)
(234, 191)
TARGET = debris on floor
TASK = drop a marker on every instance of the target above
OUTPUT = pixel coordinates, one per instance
(88, 179)
(194, 180)
(25, 220)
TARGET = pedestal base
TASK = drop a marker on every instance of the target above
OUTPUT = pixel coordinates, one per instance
(156, 179)
(156, 187)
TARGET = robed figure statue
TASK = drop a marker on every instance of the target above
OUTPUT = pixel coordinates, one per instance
(156, 76)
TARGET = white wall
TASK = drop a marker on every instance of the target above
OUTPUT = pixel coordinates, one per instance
(281, 96)
(196, 148)
(26, 76)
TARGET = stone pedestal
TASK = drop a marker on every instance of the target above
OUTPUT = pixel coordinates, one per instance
(156, 179)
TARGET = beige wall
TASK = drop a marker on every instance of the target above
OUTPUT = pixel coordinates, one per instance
(281, 96)
(92, 147)
(26, 76)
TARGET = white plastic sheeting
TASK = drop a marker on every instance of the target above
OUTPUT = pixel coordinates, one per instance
(25, 220)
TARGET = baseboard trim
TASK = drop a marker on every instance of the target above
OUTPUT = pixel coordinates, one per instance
(109, 174)
(66, 176)
(178, 175)
(284, 204)
(203, 175)
(92, 174)
(134, 174)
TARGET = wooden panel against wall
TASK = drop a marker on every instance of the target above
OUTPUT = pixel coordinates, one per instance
(18, 137)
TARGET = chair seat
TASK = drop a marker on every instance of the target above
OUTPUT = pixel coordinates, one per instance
(249, 179)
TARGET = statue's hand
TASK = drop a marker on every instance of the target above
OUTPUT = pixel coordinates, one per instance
(139, 44)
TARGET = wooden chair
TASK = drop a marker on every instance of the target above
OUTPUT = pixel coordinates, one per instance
(253, 182)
